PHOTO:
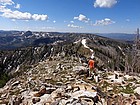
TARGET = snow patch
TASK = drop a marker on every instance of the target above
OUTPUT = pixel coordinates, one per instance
(92, 56)
(84, 43)
(4, 60)
(121, 50)
(91, 50)
(17, 68)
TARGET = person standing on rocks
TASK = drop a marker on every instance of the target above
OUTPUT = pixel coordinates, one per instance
(91, 63)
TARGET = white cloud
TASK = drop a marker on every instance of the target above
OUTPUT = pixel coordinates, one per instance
(54, 21)
(71, 21)
(105, 3)
(103, 22)
(4, 9)
(8, 13)
(73, 26)
(6, 2)
(128, 20)
(13, 20)
(39, 17)
(23, 15)
(81, 18)
(17, 15)
(17, 6)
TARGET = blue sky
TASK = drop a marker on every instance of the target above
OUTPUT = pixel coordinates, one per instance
(84, 16)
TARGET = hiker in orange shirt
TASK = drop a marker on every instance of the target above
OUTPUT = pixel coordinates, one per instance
(91, 66)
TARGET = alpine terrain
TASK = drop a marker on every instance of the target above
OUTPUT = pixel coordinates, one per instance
(40, 68)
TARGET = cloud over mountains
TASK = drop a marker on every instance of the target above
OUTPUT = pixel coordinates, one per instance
(18, 15)
(82, 18)
(103, 22)
(74, 26)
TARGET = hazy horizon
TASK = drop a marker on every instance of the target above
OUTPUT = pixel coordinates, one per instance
(70, 32)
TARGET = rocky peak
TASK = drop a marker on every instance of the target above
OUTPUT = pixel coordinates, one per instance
(27, 34)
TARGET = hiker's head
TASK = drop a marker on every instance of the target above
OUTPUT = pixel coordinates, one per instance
(92, 57)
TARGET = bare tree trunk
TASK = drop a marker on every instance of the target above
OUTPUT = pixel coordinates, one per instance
(132, 63)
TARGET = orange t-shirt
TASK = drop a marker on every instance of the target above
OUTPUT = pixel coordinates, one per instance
(91, 63)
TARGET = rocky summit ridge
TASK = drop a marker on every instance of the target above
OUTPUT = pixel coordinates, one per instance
(64, 82)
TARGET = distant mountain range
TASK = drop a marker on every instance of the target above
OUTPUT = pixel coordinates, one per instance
(17, 39)
(119, 36)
